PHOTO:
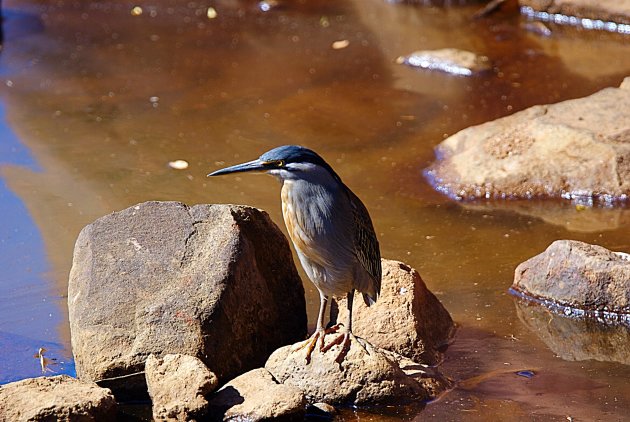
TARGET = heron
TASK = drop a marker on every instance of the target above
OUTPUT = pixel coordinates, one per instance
(331, 230)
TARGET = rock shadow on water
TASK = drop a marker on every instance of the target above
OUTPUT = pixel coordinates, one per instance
(575, 339)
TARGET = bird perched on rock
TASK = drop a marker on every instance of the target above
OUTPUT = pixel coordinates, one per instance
(331, 230)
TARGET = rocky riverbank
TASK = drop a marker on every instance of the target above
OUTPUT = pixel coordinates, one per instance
(201, 309)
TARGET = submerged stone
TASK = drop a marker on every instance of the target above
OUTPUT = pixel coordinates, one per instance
(449, 60)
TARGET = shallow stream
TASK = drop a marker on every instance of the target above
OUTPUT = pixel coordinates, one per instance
(95, 101)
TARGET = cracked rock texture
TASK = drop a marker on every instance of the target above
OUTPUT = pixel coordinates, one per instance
(576, 148)
(212, 281)
(59, 398)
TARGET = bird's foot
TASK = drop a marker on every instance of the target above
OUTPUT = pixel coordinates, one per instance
(344, 339)
(309, 344)
(316, 340)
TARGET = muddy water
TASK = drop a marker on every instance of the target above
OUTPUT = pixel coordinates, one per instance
(98, 101)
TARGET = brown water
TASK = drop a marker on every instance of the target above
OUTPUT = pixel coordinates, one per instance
(98, 101)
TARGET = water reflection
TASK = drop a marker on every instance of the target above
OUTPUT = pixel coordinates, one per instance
(576, 339)
(27, 305)
(571, 216)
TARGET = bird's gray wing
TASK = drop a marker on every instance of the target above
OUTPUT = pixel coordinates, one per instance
(365, 242)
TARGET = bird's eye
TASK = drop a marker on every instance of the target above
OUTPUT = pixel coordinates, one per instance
(280, 163)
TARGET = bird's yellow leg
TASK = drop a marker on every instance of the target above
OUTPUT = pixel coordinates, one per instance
(318, 336)
(344, 337)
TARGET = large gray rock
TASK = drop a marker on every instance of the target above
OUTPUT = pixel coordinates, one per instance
(366, 375)
(59, 398)
(608, 11)
(178, 386)
(256, 396)
(213, 281)
(576, 148)
(578, 276)
(407, 318)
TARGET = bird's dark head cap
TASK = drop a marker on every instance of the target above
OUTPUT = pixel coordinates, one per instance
(278, 158)
(292, 154)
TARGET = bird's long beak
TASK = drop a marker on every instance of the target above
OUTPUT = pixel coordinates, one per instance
(255, 165)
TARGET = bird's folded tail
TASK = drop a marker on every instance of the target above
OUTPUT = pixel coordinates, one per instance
(369, 301)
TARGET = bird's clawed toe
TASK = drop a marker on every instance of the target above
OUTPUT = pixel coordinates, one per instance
(316, 341)
(311, 343)
(344, 340)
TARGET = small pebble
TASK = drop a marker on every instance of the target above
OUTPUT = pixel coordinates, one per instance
(338, 45)
(212, 13)
(178, 164)
(136, 11)
(321, 410)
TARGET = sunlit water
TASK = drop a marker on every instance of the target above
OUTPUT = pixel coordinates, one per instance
(98, 101)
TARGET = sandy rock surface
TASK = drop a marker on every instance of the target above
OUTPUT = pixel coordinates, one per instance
(256, 396)
(407, 318)
(579, 275)
(366, 376)
(573, 149)
(58, 398)
(178, 386)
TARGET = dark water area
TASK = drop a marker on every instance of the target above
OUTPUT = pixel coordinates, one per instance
(95, 102)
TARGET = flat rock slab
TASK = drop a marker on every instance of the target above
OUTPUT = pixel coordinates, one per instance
(407, 318)
(178, 386)
(366, 376)
(608, 11)
(213, 281)
(59, 398)
(573, 149)
(256, 396)
(579, 276)
(449, 60)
